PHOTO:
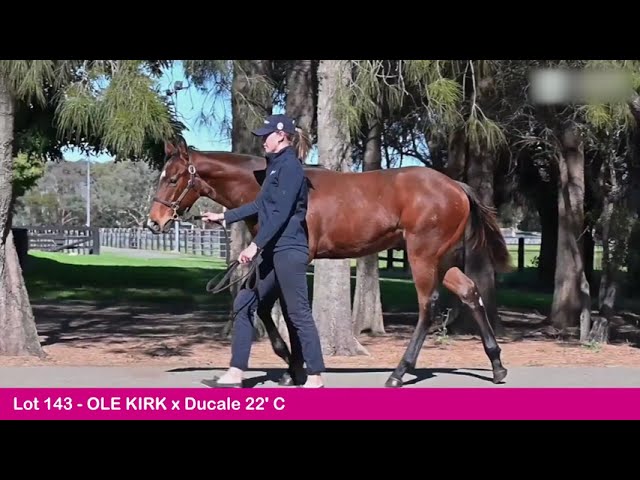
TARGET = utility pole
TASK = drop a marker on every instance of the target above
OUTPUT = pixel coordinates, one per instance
(88, 192)
(177, 86)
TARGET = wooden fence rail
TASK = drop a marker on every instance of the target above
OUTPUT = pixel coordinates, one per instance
(60, 238)
(518, 245)
(211, 242)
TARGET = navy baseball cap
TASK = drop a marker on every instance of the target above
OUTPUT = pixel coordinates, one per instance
(276, 123)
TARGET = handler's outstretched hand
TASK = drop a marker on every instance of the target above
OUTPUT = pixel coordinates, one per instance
(248, 253)
(212, 217)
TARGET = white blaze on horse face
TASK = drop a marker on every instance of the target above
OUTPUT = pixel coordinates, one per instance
(163, 174)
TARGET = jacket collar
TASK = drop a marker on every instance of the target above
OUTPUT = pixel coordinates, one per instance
(272, 157)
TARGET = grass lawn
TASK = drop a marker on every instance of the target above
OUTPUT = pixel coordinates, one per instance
(181, 281)
(114, 278)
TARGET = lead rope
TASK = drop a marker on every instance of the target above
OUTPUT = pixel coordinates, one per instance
(249, 279)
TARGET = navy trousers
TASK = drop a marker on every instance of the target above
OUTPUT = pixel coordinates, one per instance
(281, 275)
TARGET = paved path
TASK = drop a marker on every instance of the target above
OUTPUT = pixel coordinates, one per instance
(426, 378)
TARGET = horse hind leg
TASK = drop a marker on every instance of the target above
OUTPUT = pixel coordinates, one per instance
(293, 359)
(423, 266)
(278, 344)
(426, 317)
(467, 291)
(296, 374)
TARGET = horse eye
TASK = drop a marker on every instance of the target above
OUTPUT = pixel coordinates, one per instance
(173, 180)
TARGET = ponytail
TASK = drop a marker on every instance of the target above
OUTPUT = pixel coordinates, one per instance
(302, 143)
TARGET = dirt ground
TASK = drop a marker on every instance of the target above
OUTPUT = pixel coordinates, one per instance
(76, 334)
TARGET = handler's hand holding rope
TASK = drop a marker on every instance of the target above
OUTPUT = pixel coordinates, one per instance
(213, 217)
(248, 255)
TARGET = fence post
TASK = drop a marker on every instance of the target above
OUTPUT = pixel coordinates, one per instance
(96, 241)
(520, 254)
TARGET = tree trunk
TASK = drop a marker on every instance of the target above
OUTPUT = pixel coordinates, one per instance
(588, 252)
(367, 304)
(436, 151)
(477, 266)
(301, 94)
(616, 223)
(455, 169)
(571, 297)
(547, 209)
(248, 108)
(608, 285)
(634, 106)
(457, 156)
(332, 278)
(18, 333)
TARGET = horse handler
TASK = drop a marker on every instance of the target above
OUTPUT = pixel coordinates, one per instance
(283, 243)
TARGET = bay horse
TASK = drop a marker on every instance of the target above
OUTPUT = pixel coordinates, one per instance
(351, 215)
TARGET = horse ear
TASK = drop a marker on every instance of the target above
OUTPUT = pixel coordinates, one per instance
(182, 147)
(169, 148)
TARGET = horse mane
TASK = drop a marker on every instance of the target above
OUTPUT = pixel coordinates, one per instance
(246, 156)
(248, 159)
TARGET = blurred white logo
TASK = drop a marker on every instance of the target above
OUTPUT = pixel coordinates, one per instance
(557, 86)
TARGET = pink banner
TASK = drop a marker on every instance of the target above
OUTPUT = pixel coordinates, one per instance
(319, 404)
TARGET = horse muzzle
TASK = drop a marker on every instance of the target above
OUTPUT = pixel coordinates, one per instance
(153, 226)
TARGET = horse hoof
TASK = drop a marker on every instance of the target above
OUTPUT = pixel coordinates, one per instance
(499, 375)
(393, 382)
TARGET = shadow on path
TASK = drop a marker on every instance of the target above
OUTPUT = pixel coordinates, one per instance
(421, 374)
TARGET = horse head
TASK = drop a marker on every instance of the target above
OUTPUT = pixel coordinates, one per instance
(178, 187)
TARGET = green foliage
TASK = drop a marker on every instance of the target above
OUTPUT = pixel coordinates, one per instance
(31, 79)
(121, 193)
(607, 117)
(484, 133)
(424, 99)
(216, 77)
(444, 96)
(206, 72)
(384, 87)
(124, 114)
(27, 170)
(108, 105)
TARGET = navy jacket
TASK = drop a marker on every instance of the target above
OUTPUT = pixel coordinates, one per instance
(281, 205)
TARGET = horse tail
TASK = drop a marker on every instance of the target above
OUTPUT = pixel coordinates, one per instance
(485, 231)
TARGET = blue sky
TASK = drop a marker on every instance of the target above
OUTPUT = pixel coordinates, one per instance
(191, 103)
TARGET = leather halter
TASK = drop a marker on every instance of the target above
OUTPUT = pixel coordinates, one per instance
(193, 174)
